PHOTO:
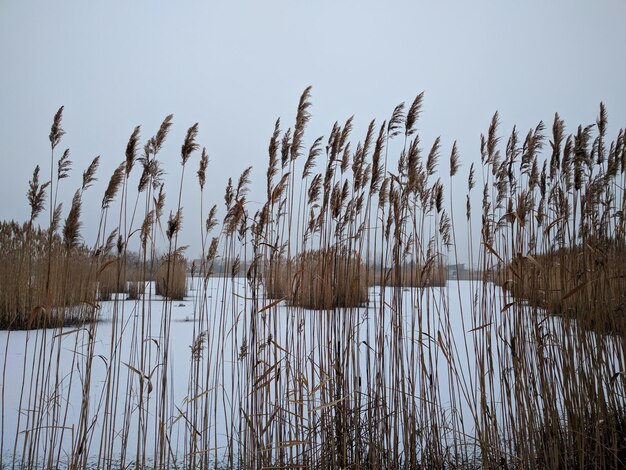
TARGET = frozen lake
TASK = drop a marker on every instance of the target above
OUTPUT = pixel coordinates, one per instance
(227, 375)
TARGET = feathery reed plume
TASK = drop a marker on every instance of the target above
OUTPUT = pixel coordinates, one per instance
(471, 182)
(131, 149)
(273, 157)
(261, 218)
(454, 160)
(581, 156)
(402, 164)
(377, 165)
(383, 193)
(612, 165)
(64, 165)
(56, 218)
(345, 159)
(174, 224)
(36, 195)
(189, 145)
(234, 216)
(315, 189)
(437, 195)
(532, 145)
(601, 123)
(212, 253)
(204, 163)
(159, 203)
(145, 176)
(335, 200)
(144, 233)
(198, 346)
(543, 180)
(279, 189)
(445, 226)
(314, 152)
(412, 165)
(512, 152)
(533, 177)
(492, 140)
(558, 128)
(433, 157)
(302, 118)
(396, 121)
(56, 131)
(566, 162)
(161, 135)
(108, 245)
(243, 183)
(332, 141)
(345, 134)
(114, 185)
(369, 138)
(71, 228)
(89, 175)
(357, 168)
(211, 220)
(121, 245)
(413, 115)
(623, 152)
(285, 147)
(229, 194)
(156, 173)
(345, 192)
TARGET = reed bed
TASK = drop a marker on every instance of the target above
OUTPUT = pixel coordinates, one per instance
(43, 284)
(127, 277)
(319, 280)
(303, 352)
(585, 283)
(430, 275)
(171, 277)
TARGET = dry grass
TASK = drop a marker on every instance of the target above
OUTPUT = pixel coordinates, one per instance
(409, 275)
(319, 280)
(42, 284)
(387, 386)
(117, 276)
(171, 278)
(583, 283)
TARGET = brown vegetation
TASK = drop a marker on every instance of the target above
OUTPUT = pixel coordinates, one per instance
(319, 280)
(171, 278)
(431, 274)
(43, 284)
(348, 386)
(585, 283)
(123, 276)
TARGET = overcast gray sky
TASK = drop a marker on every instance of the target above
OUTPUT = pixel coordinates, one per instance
(236, 66)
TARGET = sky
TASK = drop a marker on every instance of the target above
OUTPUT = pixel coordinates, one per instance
(236, 66)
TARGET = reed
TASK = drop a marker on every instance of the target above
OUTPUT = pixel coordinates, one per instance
(24, 264)
(171, 277)
(433, 274)
(123, 278)
(584, 283)
(320, 280)
(321, 331)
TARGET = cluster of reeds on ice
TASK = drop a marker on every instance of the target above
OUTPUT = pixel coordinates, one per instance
(331, 338)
